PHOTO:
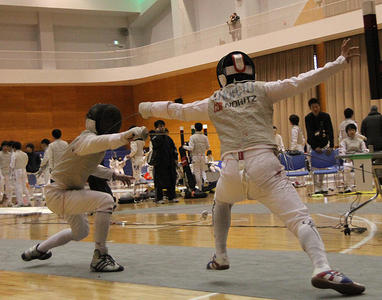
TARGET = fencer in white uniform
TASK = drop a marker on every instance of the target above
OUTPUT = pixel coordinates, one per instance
(53, 153)
(242, 113)
(137, 158)
(67, 197)
(120, 164)
(198, 145)
(5, 162)
(297, 141)
(18, 166)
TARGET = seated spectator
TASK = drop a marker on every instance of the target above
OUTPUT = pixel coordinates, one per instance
(351, 145)
(278, 140)
(348, 113)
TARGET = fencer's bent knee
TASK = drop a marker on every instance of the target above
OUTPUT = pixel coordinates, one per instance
(295, 219)
(106, 203)
(80, 232)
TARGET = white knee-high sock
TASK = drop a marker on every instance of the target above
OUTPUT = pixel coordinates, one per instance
(222, 222)
(102, 223)
(58, 239)
(312, 244)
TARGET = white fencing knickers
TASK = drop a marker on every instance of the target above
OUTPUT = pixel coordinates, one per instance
(136, 164)
(198, 167)
(73, 206)
(5, 182)
(20, 186)
(258, 175)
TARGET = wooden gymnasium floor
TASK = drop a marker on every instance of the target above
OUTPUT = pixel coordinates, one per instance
(150, 229)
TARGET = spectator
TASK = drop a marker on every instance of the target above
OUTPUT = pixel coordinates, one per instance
(19, 162)
(54, 152)
(297, 138)
(319, 130)
(5, 161)
(371, 127)
(198, 145)
(164, 159)
(34, 160)
(44, 144)
(45, 173)
(234, 26)
(348, 113)
(209, 157)
(278, 140)
(351, 145)
(137, 158)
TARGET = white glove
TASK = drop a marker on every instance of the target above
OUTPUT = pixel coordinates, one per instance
(145, 109)
(137, 133)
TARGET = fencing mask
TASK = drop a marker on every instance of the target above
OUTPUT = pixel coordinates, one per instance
(235, 66)
(107, 118)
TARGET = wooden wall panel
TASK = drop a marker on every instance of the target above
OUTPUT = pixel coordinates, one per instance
(28, 114)
(190, 87)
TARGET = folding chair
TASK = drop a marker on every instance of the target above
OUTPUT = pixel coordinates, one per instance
(295, 165)
(326, 165)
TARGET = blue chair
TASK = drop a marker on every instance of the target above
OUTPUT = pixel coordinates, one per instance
(295, 165)
(327, 164)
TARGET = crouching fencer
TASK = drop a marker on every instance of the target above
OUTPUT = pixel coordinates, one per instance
(67, 197)
(242, 112)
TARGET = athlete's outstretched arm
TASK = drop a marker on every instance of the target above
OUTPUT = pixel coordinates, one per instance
(195, 111)
(281, 89)
(97, 143)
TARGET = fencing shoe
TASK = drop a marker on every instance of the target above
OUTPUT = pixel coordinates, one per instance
(104, 263)
(33, 253)
(214, 265)
(337, 281)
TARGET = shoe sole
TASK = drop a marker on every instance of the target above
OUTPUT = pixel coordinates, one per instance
(221, 268)
(343, 288)
(218, 268)
(120, 269)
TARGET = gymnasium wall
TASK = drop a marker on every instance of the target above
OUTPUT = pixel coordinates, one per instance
(28, 114)
(191, 87)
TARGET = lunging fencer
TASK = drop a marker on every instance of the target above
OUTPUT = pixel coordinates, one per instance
(67, 197)
(242, 113)
(198, 145)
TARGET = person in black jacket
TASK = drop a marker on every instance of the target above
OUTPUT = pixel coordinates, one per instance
(320, 136)
(372, 128)
(34, 159)
(164, 159)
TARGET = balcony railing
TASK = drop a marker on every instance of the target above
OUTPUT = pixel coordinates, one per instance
(252, 26)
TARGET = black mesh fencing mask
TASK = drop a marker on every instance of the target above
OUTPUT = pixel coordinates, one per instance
(235, 66)
(107, 118)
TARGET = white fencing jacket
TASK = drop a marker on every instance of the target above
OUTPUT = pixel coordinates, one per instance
(242, 112)
(82, 157)
(53, 154)
(198, 144)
